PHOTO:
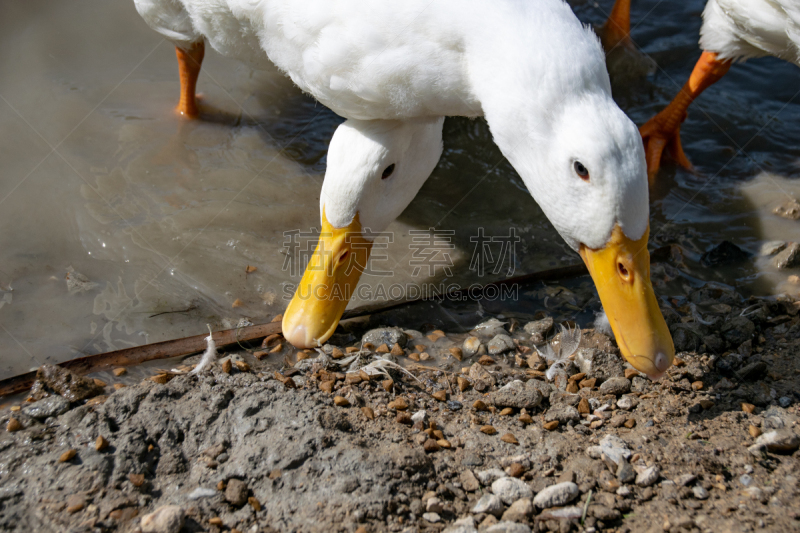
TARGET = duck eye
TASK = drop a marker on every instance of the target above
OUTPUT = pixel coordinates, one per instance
(387, 171)
(581, 170)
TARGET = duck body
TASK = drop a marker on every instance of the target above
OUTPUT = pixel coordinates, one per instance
(512, 62)
(394, 70)
(745, 29)
(381, 60)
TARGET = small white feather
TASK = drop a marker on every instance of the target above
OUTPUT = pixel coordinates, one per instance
(210, 355)
(602, 324)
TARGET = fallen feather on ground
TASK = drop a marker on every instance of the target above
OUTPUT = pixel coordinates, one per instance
(210, 355)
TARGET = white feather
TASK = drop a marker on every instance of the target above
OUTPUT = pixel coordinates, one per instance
(602, 324)
(210, 355)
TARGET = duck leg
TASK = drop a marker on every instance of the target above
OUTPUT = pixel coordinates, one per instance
(617, 29)
(663, 131)
(189, 61)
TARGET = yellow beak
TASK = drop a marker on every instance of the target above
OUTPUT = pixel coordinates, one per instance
(328, 284)
(621, 273)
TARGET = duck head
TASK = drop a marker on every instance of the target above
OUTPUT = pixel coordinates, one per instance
(375, 168)
(588, 174)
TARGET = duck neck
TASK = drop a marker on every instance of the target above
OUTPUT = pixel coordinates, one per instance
(525, 66)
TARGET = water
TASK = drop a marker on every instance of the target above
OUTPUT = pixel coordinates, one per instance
(161, 216)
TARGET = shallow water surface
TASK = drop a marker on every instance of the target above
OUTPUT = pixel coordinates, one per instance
(124, 224)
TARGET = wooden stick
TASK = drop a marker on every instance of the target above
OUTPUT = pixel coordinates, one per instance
(189, 345)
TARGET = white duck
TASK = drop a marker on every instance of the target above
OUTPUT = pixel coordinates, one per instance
(395, 69)
(732, 30)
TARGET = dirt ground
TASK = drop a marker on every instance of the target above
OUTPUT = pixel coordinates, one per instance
(471, 435)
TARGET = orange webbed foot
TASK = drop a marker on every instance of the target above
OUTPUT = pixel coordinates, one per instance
(662, 136)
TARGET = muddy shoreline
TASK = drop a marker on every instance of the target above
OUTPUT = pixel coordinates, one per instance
(471, 435)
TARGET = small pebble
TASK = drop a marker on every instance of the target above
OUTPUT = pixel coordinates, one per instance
(399, 404)
(516, 470)
(340, 401)
(440, 395)
(480, 405)
(101, 443)
(368, 412)
(648, 477)
(550, 426)
(754, 431)
(67, 455)
(137, 480)
(236, 492)
(75, 503)
(489, 504)
(583, 406)
(463, 383)
(509, 438)
(748, 408)
(254, 503)
(431, 446)
(489, 430)
(13, 425)
(556, 495)
(511, 489)
(507, 411)
(227, 366)
(165, 519)
(526, 418)
(630, 373)
(120, 371)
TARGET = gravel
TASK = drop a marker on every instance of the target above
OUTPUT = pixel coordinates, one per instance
(388, 336)
(489, 504)
(516, 395)
(47, 407)
(165, 519)
(499, 344)
(556, 495)
(508, 527)
(487, 477)
(222, 445)
(648, 476)
(562, 413)
(616, 386)
(511, 489)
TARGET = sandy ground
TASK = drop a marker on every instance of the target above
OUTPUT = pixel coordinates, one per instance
(462, 440)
